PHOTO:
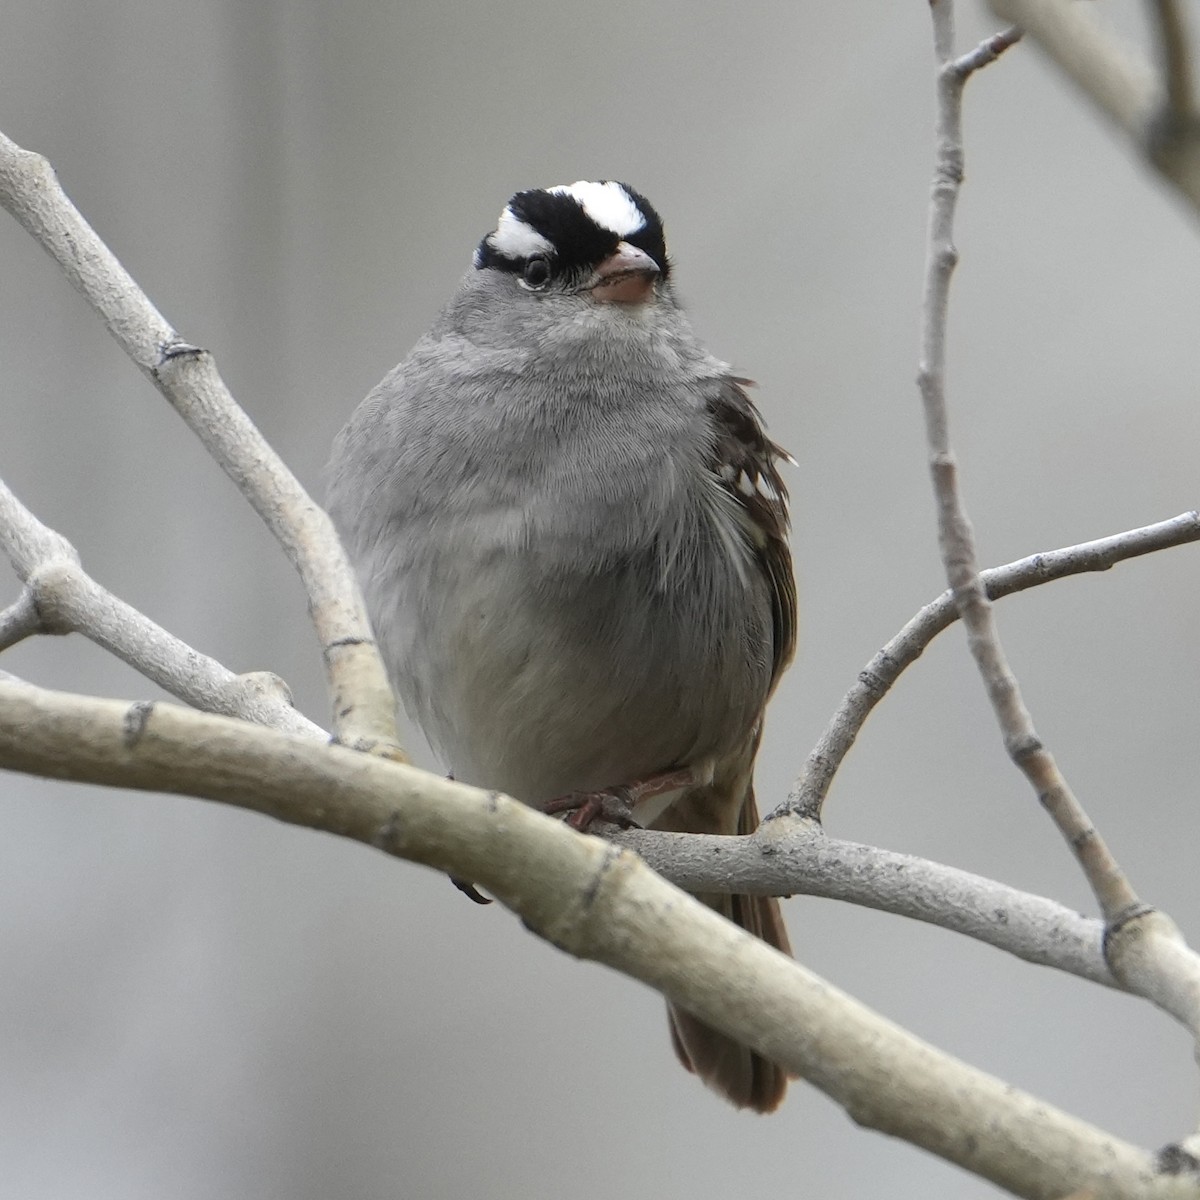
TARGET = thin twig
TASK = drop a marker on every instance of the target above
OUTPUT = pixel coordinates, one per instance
(19, 620)
(987, 51)
(808, 793)
(360, 698)
(1113, 892)
(60, 597)
(1143, 947)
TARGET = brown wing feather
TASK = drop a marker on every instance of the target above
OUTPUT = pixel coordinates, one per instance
(745, 461)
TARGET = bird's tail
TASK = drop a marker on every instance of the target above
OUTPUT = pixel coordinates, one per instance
(743, 1076)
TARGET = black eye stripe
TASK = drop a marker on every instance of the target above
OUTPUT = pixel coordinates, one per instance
(577, 240)
(579, 243)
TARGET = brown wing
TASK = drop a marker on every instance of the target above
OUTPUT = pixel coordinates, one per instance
(745, 461)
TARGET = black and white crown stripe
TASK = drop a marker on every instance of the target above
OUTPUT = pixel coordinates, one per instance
(575, 226)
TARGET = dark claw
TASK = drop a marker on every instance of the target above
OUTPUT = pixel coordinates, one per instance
(465, 886)
(470, 890)
(585, 809)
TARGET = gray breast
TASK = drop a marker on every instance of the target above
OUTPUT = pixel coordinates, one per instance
(562, 599)
(540, 676)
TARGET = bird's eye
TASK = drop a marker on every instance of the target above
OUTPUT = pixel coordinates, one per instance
(537, 272)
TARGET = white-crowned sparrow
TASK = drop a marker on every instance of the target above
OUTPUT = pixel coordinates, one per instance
(571, 533)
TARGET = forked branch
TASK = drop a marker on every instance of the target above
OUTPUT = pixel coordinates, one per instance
(360, 698)
(1144, 948)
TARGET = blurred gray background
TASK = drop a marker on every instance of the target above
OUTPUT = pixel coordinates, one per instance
(199, 1003)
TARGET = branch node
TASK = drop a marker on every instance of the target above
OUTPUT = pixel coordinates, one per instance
(178, 348)
(133, 726)
(387, 837)
(378, 747)
(946, 255)
(49, 585)
(804, 805)
(1120, 922)
(873, 682)
(611, 857)
(269, 685)
(1175, 1159)
(1083, 837)
(1022, 748)
(338, 643)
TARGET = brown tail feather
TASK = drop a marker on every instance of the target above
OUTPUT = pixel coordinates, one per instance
(743, 1076)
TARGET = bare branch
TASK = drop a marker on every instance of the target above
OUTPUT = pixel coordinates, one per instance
(808, 793)
(361, 700)
(1119, 83)
(956, 538)
(1161, 968)
(595, 901)
(19, 621)
(794, 858)
(60, 597)
(986, 52)
(805, 861)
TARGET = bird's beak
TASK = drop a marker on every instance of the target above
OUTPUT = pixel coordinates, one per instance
(626, 277)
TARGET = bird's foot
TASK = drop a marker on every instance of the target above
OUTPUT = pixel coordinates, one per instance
(616, 805)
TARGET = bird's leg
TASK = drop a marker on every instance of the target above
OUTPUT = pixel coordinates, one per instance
(615, 805)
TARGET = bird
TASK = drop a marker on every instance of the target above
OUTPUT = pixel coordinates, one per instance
(571, 533)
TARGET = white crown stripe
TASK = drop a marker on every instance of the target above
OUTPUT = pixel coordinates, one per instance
(608, 204)
(515, 238)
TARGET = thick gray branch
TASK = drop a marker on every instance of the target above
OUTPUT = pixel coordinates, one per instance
(596, 901)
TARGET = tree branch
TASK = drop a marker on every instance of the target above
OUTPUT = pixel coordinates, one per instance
(1145, 950)
(60, 597)
(588, 898)
(19, 620)
(798, 858)
(956, 538)
(595, 901)
(1119, 83)
(807, 796)
(361, 700)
